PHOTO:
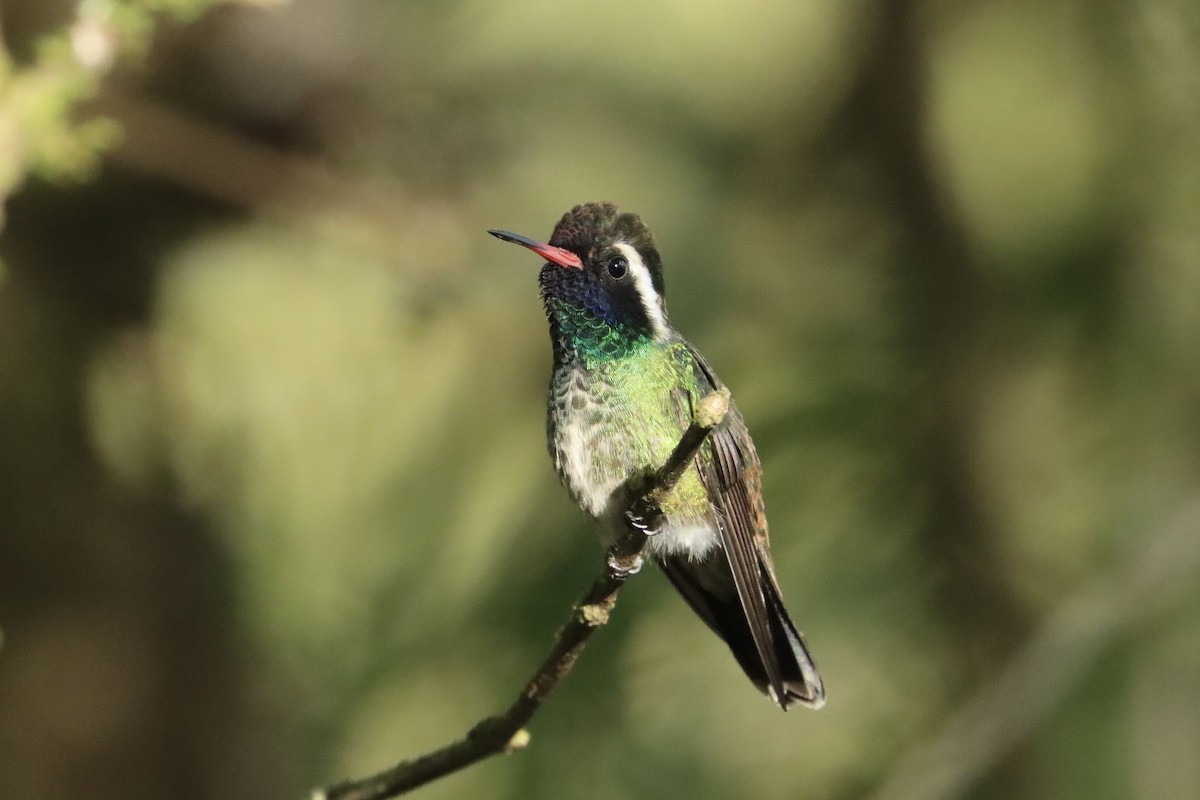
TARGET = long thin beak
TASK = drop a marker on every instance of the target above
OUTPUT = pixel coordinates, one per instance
(557, 255)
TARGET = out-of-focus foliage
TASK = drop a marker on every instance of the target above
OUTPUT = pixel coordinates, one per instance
(40, 132)
(275, 506)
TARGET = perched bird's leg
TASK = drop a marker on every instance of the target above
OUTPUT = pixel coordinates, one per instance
(621, 567)
(643, 512)
(646, 517)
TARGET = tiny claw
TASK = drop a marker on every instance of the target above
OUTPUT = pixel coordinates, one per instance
(624, 567)
(646, 517)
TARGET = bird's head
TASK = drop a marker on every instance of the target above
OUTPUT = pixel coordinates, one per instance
(602, 282)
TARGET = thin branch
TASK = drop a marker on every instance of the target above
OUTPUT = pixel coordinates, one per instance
(506, 732)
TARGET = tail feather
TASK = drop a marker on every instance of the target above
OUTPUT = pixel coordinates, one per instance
(802, 682)
(709, 589)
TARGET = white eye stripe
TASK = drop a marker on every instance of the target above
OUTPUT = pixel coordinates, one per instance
(644, 285)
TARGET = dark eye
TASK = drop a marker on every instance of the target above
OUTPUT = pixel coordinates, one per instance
(617, 267)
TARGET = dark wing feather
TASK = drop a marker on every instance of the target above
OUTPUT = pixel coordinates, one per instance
(732, 479)
(724, 479)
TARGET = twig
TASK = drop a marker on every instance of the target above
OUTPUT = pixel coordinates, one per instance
(506, 732)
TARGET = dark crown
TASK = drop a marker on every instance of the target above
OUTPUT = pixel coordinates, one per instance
(591, 229)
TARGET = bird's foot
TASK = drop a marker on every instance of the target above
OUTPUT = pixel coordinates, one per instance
(645, 516)
(624, 566)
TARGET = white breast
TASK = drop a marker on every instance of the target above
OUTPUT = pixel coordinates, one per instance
(575, 459)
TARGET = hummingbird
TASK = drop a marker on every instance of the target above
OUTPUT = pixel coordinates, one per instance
(622, 389)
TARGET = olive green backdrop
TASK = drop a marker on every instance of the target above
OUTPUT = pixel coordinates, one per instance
(275, 506)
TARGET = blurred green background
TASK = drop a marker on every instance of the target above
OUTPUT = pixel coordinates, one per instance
(275, 507)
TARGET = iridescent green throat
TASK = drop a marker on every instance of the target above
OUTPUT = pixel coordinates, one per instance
(584, 334)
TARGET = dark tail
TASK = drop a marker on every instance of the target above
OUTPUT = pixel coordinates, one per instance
(802, 683)
(709, 589)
